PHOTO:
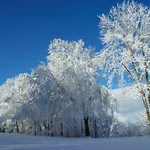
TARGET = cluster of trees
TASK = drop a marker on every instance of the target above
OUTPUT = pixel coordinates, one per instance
(62, 98)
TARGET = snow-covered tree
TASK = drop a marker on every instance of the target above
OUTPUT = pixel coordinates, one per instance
(14, 93)
(65, 55)
(125, 33)
(61, 98)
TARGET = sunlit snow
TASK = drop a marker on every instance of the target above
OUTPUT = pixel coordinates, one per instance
(20, 142)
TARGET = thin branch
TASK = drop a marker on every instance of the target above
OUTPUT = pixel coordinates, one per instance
(124, 67)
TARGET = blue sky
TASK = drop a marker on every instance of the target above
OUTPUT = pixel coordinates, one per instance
(28, 26)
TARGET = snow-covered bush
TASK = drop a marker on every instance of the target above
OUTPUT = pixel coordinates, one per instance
(119, 129)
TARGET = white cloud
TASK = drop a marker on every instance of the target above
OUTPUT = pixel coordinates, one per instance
(129, 109)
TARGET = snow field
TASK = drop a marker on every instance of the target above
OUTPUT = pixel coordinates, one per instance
(22, 142)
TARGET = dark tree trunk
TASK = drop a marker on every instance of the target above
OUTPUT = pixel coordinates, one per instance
(87, 133)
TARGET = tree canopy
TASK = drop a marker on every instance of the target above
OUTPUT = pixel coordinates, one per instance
(60, 98)
(125, 35)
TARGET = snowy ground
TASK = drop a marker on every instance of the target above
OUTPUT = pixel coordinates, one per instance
(129, 111)
(20, 142)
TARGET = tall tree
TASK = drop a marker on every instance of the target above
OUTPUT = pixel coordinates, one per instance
(58, 99)
(125, 33)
